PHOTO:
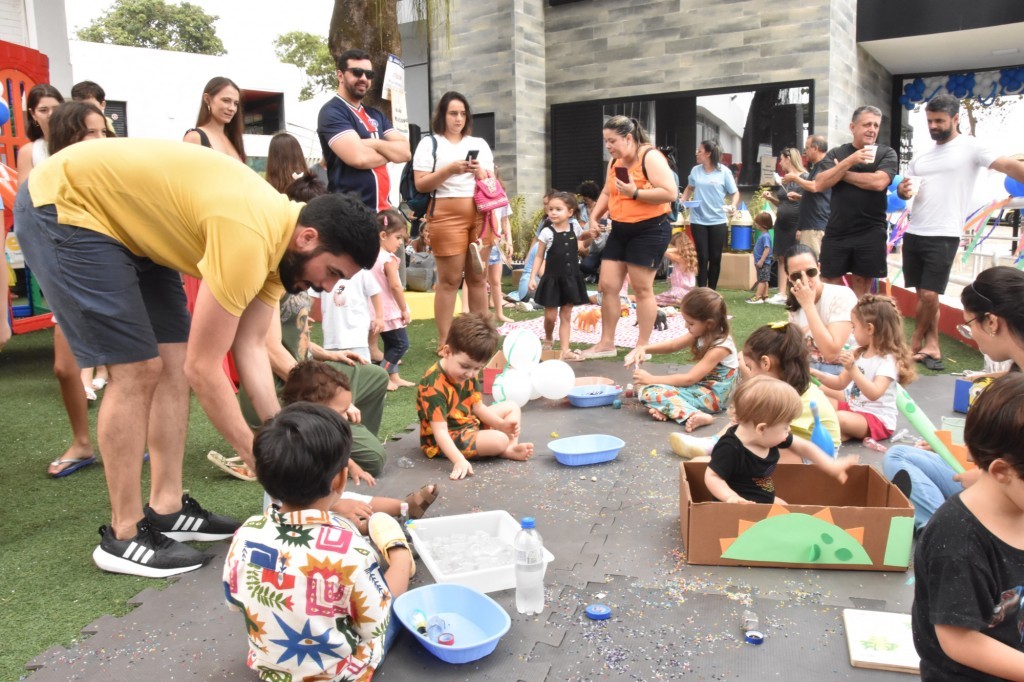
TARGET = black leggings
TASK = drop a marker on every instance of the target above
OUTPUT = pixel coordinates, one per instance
(709, 240)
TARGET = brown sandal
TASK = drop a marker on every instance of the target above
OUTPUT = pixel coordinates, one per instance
(420, 500)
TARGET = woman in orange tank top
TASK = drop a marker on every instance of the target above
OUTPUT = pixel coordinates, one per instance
(637, 195)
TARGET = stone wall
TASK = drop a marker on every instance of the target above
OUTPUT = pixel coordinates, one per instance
(519, 57)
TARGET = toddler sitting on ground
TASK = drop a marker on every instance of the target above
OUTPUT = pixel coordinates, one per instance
(451, 409)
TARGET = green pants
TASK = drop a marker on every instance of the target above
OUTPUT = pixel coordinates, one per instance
(369, 385)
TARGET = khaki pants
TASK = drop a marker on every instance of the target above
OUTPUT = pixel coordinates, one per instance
(812, 238)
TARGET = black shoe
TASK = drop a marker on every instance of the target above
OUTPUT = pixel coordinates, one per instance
(149, 554)
(901, 479)
(192, 523)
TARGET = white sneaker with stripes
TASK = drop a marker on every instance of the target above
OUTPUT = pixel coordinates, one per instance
(192, 523)
(149, 554)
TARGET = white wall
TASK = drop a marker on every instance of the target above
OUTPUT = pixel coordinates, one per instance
(163, 90)
(13, 25)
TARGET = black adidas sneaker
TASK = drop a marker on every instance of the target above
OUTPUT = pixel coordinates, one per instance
(149, 554)
(192, 523)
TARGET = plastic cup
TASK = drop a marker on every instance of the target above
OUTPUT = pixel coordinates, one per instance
(915, 183)
(873, 148)
(955, 426)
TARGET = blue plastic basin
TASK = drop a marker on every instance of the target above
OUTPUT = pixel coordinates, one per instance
(594, 395)
(475, 620)
(590, 449)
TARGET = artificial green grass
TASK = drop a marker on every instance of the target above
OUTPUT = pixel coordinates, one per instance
(48, 526)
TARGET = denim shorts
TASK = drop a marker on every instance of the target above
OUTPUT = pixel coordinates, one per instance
(114, 307)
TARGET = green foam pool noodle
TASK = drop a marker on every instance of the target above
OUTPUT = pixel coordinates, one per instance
(923, 425)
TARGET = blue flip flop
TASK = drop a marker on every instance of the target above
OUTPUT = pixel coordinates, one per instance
(75, 464)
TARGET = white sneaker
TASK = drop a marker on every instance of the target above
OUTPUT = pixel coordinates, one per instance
(524, 307)
(777, 299)
(688, 447)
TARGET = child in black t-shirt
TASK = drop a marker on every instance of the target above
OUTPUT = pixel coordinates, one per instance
(743, 460)
(968, 614)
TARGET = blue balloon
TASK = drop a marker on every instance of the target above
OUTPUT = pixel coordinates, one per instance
(896, 180)
(1014, 187)
(5, 112)
(894, 204)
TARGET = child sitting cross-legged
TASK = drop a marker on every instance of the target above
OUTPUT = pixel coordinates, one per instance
(743, 460)
(453, 418)
(968, 609)
(314, 600)
(318, 382)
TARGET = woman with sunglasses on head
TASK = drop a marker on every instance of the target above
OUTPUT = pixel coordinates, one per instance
(993, 319)
(820, 310)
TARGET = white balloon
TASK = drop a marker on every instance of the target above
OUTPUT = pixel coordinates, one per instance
(513, 385)
(535, 372)
(522, 349)
(554, 379)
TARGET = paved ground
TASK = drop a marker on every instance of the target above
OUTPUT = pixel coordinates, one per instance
(615, 540)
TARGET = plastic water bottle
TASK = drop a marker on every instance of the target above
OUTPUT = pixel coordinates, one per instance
(819, 436)
(529, 548)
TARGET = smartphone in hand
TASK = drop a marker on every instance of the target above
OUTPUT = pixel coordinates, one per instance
(622, 174)
(472, 154)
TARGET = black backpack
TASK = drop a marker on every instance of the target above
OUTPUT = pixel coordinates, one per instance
(416, 200)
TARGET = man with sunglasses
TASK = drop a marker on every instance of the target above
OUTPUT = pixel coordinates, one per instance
(359, 141)
(947, 174)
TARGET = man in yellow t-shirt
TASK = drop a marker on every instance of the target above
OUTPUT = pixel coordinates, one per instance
(107, 226)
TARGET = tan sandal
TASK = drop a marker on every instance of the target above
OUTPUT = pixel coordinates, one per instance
(234, 466)
(420, 500)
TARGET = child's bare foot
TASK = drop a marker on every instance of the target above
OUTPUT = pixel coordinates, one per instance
(503, 319)
(657, 414)
(392, 386)
(398, 382)
(698, 419)
(519, 452)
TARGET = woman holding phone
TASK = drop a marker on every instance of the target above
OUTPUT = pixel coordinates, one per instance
(448, 164)
(637, 194)
(710, 183)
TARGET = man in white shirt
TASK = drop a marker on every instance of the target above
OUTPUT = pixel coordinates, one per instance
(947, 172)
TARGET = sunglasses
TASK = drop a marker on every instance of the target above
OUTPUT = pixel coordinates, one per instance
(810, 272)
(359, 73)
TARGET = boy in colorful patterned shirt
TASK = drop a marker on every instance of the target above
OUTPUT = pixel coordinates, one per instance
(450, 406)
(311, 593)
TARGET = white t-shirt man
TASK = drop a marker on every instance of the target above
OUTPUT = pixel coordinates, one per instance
(835, 305)
(949, 172)
(461, 184)
(347, 312)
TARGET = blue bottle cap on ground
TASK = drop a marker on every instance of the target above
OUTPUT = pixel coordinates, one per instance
(528, 522)
(754, 637)
(598, 612)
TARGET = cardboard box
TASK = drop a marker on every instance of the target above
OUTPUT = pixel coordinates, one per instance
(497, 365)
(865, 525)
(737, 271)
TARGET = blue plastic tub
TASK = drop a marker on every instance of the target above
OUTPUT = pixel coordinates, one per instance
(594, 395)
(475, 620)
(741, 235)
(590, 449)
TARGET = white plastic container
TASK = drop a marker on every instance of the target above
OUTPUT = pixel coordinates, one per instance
(498, 524)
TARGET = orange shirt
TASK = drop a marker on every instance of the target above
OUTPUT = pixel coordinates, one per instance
(624, 209)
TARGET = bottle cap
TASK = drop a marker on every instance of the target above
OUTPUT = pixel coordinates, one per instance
(754, 636)
(598, 612)
(528, 522)
(446, 639)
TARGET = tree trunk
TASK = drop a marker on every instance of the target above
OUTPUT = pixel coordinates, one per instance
(371, 25)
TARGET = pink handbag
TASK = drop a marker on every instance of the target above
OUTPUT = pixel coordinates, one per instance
(489, 196)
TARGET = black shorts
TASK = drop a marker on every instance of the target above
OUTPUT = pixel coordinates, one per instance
(642, 243)
(861, 254)
(784, 239)
(114, 307)
(928, 260)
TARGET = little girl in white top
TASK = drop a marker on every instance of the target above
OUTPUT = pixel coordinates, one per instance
(394, 311)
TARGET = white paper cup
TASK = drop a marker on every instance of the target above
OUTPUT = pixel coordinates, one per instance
(915, 183)
(873, 148)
